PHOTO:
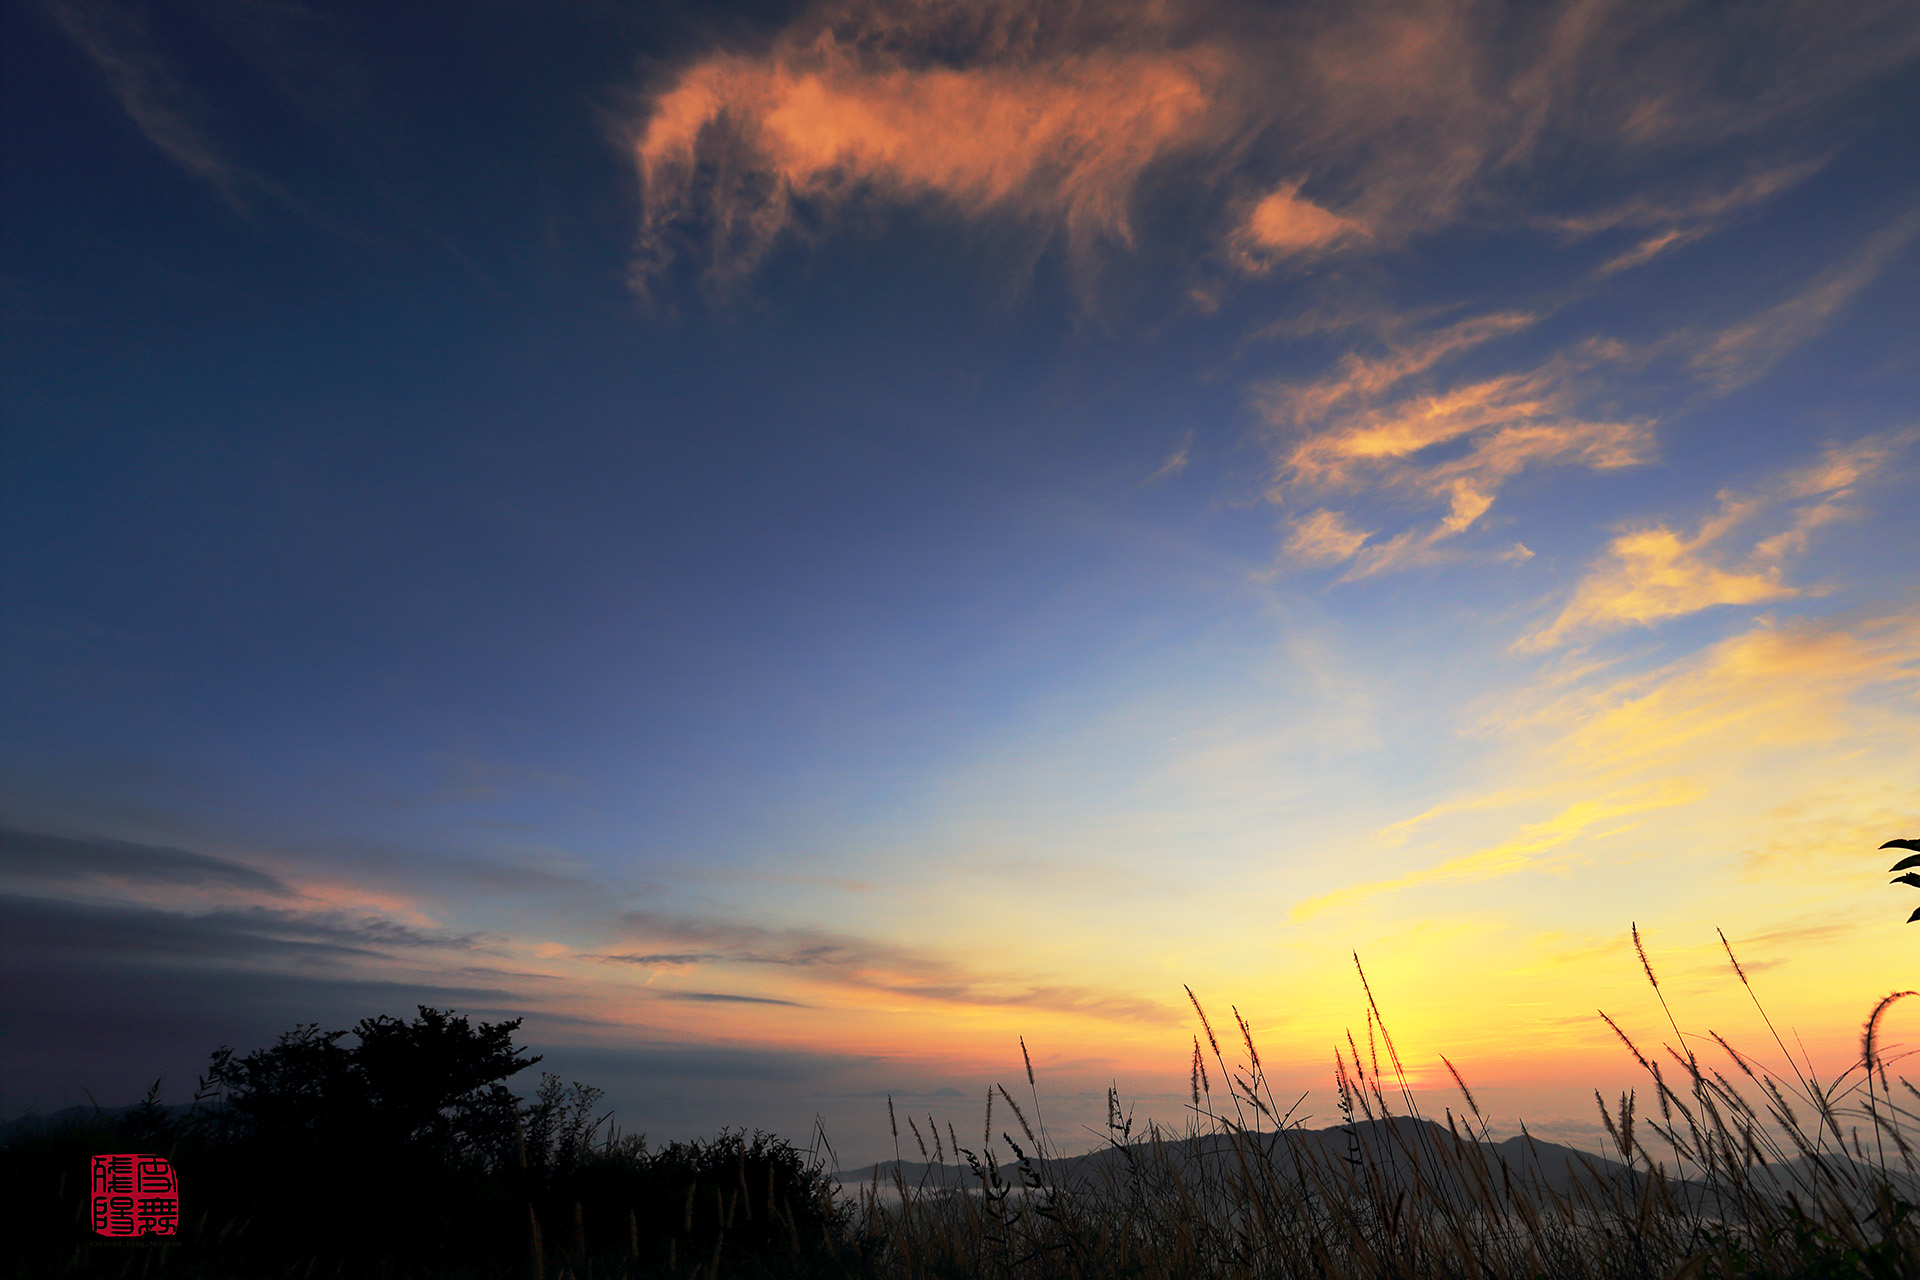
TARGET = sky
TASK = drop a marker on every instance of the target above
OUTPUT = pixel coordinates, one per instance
(796, 547)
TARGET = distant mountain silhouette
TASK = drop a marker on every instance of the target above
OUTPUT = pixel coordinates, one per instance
(1523, 1165)
(1382, 1143)
(77, 1117)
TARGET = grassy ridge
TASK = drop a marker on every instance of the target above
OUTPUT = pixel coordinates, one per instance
(1730, 1170)
(1753, 1174)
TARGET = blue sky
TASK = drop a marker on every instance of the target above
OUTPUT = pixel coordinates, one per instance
(799, 544)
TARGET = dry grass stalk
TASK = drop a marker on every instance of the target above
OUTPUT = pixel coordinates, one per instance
(1775, 1181)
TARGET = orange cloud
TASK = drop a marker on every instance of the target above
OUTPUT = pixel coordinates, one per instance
(1775, 685)
(1667, 224)
(1360, 379)
(1652, 574)
(1324, 537)
(816, 966)
(1377, 423)
(1402, 115)
(1283, 224)
(740, 146)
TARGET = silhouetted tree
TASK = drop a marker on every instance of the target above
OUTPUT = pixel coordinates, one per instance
(394, 1139)
(558, 1128)
(283, 1093)
(428, 1088)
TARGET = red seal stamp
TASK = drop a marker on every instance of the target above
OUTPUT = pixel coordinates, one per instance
(135, 1195)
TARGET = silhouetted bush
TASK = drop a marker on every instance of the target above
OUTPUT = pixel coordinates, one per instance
(740, 1204)
(395, 1149)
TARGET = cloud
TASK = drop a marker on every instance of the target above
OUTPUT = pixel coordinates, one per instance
(983, 109)
(1401, 116)
(1385, 423)
(248, 936)
(667, 959)
(106, 995)
(1652, 574)
(1774, 684)
(723, 997)
(109, 998)
(1530, 850)
(1650, 248)
(1416, 115)
(159, 101)
(1666, 223)
(1176, 461)
(1284, 225)
(1392, 424)
(1740, 354)
(738, 943)
(35, 857)
(1324, 537)
(1693, 742)
(858, 967)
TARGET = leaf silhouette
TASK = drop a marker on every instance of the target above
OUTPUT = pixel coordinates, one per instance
(1911, 860)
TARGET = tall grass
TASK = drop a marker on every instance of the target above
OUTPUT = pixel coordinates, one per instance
(1732, 1167)
(1736, 1169)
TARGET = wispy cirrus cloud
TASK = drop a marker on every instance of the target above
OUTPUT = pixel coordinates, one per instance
(1324, 537)
(159, 100)
(726, 997)
(1533, 848)
(857, 968)
(180, 906)
(1388, 423)
(1666, 221)
(1654, 573)
(1176, 462)
(33, 857)
(246, 936)
(1402, 422)
(1304, 131)
(1690, 743)
(1772, 684)
(1743, 352)
(987, 109)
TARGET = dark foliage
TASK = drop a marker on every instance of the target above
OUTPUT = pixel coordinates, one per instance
(378, 1147)
(431, 1088)
(396, 1150)
(738, 1205)
(1911, 860)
